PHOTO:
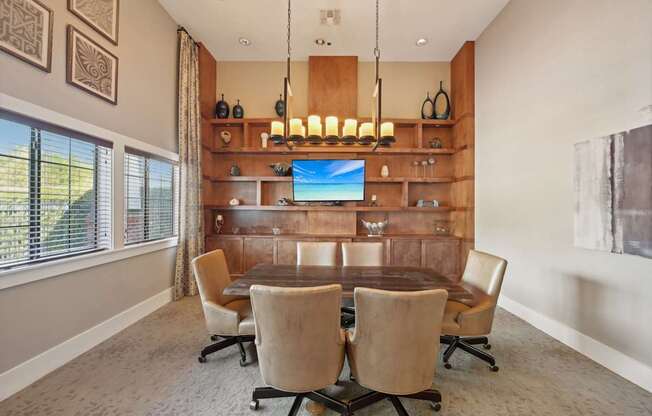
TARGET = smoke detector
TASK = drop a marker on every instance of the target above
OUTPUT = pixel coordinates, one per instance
(331, 17)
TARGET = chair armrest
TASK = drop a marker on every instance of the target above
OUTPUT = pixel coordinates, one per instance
(220, 320)
(479, 318)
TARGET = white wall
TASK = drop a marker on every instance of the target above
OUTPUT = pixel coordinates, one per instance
(550, 74)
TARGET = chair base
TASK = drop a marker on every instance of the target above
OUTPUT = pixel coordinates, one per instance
(432, 396)
(467, 344)
(227, 341)
(272, 393)
(348, 317)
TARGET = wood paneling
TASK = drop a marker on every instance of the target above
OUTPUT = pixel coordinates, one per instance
(463, 81)
(233, 251)
(331, 223)
(258, 250)
(405, 253)
(442, 256)
(207, 82)
(333, 86)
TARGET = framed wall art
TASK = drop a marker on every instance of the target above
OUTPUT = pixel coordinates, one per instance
(91, 67)
(101, 15)
(26, 31)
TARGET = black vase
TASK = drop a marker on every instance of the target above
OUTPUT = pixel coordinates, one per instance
(447, 111)
(427, 108)
(279, 107)
(238, 111)
(222, 108)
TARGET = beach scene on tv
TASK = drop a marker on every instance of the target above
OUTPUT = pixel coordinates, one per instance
(328, 180)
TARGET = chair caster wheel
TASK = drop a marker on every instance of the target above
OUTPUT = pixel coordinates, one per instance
(487, 346)
(448, 366)
(494, 368)
(215, 337)
(254, 404)
(201, 359)
(435, 406)
(243, 363)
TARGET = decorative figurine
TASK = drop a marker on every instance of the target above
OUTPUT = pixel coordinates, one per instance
(281, 169)
(375, 229)
(276, 230)
(222, 108)
(435, 143)
(235, 230)
(279, 107)
(238, 111)
(284, 202)
(225, 136)
(235, 170)
(264, 136)
(427, 108)
(447, 110)
(431, 203)
(219, 223)
(374, 201)
(234, 202)
(431, 162)
(384, 171)
(441, 229)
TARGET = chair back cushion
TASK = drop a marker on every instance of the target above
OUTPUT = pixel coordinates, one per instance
(485, 272)
(313, 253)
(362, 254)
(212, 274)
(298, 336)
(395, 344)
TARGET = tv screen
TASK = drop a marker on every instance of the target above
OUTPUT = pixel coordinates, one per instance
(328, 180)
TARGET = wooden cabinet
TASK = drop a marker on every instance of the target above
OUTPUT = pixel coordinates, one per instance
(405, 252)
(442, 256)
(233, 251)
(258, 250)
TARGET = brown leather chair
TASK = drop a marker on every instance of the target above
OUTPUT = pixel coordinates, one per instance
(362, 254)
(316, 253)
(394, 347)
(300, 343)
(227, 317)
(464, 325)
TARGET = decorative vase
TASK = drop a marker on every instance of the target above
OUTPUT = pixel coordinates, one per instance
(447, 110)
(435, 143)
(235, 170)
(238, 111)
(281, 169)
(375, 229)
(264, 136)
(384, 171)
(279, 107)
(428, 107)
(222, 108)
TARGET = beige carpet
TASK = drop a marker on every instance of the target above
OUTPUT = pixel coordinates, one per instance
(151, 368)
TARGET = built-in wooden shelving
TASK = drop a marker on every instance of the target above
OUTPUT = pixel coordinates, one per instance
(343, 208)
(340, 148)
(289, 179)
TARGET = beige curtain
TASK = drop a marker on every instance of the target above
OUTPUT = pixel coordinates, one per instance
(191, 236)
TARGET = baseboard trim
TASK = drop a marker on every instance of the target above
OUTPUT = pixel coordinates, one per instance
(26, 373)
(621, 364)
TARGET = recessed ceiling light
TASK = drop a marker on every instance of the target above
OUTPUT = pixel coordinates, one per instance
(320, 42)
(244, 41)
(422, 42)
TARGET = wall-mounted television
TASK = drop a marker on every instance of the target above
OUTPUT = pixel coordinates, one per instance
(328, 180)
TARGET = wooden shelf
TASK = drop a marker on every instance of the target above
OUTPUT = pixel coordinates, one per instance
(324, 208)
(356, 149)
(291, 236)
(396, 121)
(289, 179)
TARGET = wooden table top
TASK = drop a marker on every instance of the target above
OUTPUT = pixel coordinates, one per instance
(385, 277)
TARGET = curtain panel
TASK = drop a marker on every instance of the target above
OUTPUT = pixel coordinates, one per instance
(191, 221)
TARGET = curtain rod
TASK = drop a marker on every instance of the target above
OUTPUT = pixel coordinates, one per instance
(183, 29)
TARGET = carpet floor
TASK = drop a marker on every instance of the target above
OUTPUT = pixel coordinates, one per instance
(151, 368)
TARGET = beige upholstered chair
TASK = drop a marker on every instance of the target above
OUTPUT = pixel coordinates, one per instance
(362, 254)
(227, 317)
(484, 273)
(394, 347)
(313, 253)
(299, 341)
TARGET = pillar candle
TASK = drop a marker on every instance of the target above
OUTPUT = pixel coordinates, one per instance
(277, 128)
(314, 126)
(350, 127)
(303, 131)
(295, 127)
(366, 129)
(387, 129)
(331, 126)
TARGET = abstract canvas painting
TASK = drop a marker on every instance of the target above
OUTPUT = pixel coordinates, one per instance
(101, 15)
(613, 193)
(26, 31)
(91, 67)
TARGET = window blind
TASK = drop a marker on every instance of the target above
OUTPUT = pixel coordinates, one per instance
(150, 201)
(55, 193)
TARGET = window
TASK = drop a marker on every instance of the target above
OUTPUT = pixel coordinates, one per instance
(150, 195)
(55, 192)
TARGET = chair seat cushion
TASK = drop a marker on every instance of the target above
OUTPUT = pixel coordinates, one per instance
(450, 325)
(243, 307)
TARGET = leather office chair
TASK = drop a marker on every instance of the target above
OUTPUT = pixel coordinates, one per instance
(300, 343)
(465, 326)
(394, 347)
(362, 254)
(227, 317)
(313, 253)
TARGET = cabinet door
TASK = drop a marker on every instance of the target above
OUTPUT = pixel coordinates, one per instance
(406, 252)
(286, 252)
(232, 247)
(258, 250)
(442, 256)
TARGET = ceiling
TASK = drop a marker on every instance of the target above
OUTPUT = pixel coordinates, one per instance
(445, 23)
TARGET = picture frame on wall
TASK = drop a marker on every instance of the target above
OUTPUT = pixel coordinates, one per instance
(26, 32)
(90, 67)
(102, 15)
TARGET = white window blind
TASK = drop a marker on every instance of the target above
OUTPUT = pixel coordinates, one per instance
(150, 198)
(55, 192)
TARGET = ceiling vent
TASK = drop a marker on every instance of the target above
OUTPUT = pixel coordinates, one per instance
(330, 17)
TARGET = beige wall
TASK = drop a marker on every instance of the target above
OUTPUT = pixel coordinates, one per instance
(37, 316)
(258, 85)
(550, 74)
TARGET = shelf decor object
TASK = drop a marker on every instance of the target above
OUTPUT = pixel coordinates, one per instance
(427, 108)
(375, 229)
(447, 110)
(222, 108)
(238, 110)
